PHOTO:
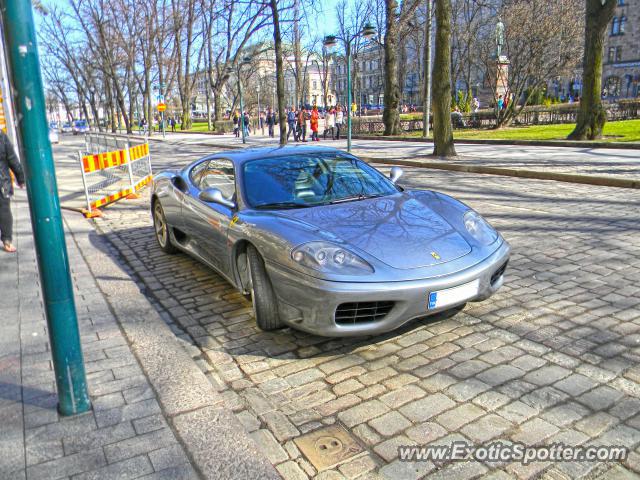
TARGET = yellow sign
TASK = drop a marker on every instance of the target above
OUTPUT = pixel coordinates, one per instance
(162, 107)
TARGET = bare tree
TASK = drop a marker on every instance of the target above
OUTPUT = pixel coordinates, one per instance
(538, 47)
(592, 117)
(469, 21)
(442, 128)
(184, 16)
(229, 27)
(396, 16)
(277, 43)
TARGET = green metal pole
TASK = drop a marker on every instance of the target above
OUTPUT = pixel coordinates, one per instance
(46, 219)
(348, 96)
(244, 140)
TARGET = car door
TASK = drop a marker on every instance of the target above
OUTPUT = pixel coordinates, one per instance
(207, 223)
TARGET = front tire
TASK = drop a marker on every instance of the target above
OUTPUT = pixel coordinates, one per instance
(263, 297)
(162, 229)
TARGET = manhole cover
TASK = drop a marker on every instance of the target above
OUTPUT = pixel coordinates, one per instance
(327, 447)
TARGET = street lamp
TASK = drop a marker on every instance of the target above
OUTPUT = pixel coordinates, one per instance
(259, 117)
(236, 69)
(330, 41)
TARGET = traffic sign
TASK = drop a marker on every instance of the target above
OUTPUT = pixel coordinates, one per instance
(162, 107)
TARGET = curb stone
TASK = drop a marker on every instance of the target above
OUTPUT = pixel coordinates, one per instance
(510, 172)
(215, 441)
(521, 143)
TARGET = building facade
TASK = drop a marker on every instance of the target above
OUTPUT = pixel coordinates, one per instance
(312, 91)
(621, 61)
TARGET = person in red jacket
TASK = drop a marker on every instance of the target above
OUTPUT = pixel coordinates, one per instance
(314, 124)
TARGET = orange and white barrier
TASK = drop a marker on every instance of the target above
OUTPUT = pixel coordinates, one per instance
(110, 176)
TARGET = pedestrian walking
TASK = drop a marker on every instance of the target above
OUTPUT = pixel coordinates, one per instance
(291, 121)
(8, 163)
(246, 121)
(315, 116)
(236, 124)
(271, 121)
(339, 121)
(172, 122)
(302, 124)
(330, 123)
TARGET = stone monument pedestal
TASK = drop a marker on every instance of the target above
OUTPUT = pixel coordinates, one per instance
(502, 76)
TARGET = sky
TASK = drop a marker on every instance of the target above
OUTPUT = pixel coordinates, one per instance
(327, 23)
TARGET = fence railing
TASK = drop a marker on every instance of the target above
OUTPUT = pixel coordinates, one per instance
(96, 142)
(533, 115)
(117, 171)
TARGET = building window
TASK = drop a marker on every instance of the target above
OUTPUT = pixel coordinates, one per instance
(315, 85)
(615, 26)
(618, 54)
(612, 54)
(612, 86)
(621, 3)
(623, 20)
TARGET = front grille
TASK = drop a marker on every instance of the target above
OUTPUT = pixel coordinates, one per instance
(498, 273)
(360, 312)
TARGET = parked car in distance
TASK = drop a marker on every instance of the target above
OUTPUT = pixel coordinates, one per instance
(325, 243)
(53, 135)
(80, 126)
(66, 128)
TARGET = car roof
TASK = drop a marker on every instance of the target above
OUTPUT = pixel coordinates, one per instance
(240, 156)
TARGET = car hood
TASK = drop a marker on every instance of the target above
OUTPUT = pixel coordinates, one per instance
(399, 230)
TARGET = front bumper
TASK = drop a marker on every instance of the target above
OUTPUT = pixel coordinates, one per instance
(309, 304)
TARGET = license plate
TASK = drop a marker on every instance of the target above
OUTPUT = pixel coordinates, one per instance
(452, 296)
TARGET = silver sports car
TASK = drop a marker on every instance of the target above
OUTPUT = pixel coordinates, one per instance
(323, 242)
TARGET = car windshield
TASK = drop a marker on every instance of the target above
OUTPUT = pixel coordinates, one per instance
(298, 181)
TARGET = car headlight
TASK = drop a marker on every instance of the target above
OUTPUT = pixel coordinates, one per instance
(330, 258)
(479, 228)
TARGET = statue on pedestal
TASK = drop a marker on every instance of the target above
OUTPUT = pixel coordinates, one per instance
(499, 37)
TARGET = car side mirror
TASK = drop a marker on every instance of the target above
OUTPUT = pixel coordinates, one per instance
(214, 195)
(395, 174)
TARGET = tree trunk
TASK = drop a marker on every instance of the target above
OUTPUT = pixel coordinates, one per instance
(592, 116)
(216, 106)
(442, 129)
(277, 42)
(426, 80)
(208, 97)
(391, 115)
(297, 53)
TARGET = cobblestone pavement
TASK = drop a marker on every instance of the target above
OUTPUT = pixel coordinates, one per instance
(552, 357)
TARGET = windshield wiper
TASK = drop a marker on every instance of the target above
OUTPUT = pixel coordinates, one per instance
(360, 196)
(283, 205)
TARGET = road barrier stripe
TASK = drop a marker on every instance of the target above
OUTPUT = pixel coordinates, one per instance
(101, 161)
(110, 176)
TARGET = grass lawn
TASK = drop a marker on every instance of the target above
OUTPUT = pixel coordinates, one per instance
(199, 127)
(622, 131)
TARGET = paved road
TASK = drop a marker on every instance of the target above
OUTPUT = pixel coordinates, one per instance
(553, 357)
(585, 161)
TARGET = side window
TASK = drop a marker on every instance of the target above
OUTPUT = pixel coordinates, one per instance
(219, 174)
(196, 173)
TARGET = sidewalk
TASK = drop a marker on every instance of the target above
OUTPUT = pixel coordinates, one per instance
(578, 164)
(155, 415)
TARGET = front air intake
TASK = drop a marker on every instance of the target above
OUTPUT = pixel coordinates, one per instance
(362, 312)
(498, 273)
